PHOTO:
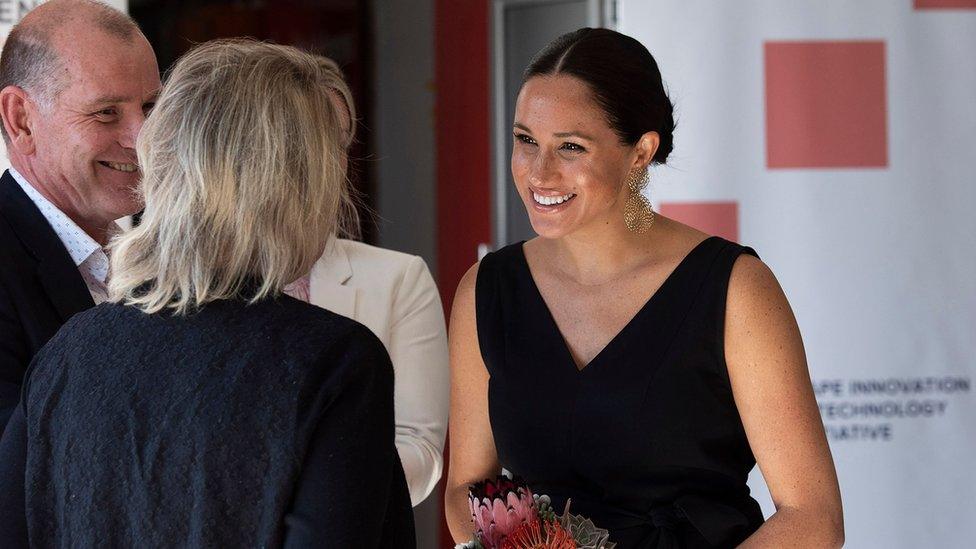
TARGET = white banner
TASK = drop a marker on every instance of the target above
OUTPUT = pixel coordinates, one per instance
(838, 138)
(11, 12)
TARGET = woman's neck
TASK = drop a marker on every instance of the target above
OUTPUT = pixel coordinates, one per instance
(602, 252)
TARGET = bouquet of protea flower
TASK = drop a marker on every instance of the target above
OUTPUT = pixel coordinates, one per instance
(507, 515)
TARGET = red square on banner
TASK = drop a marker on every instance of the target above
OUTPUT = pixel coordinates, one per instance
(944, 4)
(826, 105)
(715, 218)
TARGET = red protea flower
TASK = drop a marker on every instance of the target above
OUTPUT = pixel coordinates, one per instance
(499, 507)
(540, 534)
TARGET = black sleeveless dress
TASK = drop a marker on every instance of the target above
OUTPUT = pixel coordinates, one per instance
(646, 439)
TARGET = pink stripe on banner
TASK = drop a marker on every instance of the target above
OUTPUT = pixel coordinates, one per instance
(945, 4)
(714, 218)
(826, 104)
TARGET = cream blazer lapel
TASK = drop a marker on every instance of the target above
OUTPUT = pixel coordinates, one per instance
(327, 283)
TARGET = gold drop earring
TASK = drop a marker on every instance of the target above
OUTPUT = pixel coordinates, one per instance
(638, 214)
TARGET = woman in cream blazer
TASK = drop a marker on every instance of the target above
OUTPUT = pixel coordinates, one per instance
(394, 295)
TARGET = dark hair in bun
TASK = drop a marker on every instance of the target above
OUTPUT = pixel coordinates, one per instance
(623, 77)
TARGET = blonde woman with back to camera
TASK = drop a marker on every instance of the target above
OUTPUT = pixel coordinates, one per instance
(201, 407)
(394, 295)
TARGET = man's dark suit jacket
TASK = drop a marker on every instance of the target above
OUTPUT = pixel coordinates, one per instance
(40, 288)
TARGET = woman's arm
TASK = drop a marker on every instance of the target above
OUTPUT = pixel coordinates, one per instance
(351, 487)
(771, 385)
(473, 456)
(418, 349)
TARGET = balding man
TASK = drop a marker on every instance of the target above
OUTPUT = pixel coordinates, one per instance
(77, 79)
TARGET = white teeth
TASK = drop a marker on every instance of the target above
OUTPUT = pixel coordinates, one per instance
(122, 167)
(551, 200)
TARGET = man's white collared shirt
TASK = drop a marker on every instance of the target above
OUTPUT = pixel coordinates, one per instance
(87, 254)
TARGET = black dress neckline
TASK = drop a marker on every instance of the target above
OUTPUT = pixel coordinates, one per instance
(653, 298)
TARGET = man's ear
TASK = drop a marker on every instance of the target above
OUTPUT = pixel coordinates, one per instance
(15, 108)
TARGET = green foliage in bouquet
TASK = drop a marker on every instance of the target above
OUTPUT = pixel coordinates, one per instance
(544, 505)
(586, 534)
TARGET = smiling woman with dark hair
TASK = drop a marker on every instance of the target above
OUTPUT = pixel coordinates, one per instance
(622, 360)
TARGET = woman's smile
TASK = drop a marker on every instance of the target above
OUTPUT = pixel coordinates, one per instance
(550, 201)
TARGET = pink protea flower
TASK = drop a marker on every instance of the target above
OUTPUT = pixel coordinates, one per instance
(499, 507)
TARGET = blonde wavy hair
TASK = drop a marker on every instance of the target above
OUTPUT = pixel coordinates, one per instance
(335, 81)
(242, 178)
(352, 203)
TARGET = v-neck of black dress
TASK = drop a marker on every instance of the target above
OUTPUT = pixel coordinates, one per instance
(622, 333)
(645, 439)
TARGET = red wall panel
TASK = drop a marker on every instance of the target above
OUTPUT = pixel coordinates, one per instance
(461, 70)
(463, 151)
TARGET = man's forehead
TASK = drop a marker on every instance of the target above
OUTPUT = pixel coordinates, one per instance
(90, 49)
(95, 60)
(120, 75)
(116, 89)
